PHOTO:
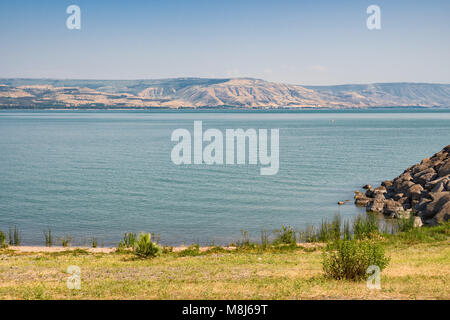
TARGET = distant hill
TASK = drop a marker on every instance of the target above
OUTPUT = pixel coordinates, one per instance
(199, 93)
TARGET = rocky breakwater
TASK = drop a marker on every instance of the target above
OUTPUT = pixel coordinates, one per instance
(422, 190)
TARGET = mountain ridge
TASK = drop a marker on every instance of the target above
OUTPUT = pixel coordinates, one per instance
(214, 92)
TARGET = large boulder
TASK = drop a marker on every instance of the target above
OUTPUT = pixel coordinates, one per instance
(387, 183)
(376, 205)
(439, 187)
(414, 192)
(438, 208)
(392, 208)
(444, 169)
(362, 200)
(431, 184)
(425, 176)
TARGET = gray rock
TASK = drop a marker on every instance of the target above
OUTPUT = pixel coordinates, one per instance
(430, 185)
(444, 169)
(362, 201)
(423, 187)
(380, 189)
(438, 187)
(419, 168)
(402, 214)
(369, 193)
(387, 183)
(404, 187)
(392, 208)
(443, 215)
(414, 192)
(421, 206)
(438, 205)
(398, 196)
(376, 206)
(425, 176)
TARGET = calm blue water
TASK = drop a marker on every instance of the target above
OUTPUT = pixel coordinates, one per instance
(104, 173)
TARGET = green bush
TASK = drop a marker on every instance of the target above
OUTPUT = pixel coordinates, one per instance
(3, 243)
(285, 236)
(349, 259)
(145, 248)
(192, 250)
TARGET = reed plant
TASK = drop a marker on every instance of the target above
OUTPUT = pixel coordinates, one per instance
(48, 237)
(3, 243)
(66, 241)
(14, 237)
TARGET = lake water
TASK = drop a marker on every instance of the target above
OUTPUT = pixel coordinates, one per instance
(99, 174)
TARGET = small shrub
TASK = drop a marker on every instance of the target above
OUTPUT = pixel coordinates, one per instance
(192, 250)
(349, 259)
(3, 243)
(145, 248)
(286, 235)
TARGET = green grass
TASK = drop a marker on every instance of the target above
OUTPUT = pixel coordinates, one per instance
(417, 271)
(278, 269)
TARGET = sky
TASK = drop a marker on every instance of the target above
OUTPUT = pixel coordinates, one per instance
(290, 41)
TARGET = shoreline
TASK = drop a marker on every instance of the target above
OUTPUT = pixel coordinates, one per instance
(55, 249)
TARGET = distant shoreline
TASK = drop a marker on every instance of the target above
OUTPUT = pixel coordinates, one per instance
(243, 110)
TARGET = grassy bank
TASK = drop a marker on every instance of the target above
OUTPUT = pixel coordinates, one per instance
(419, 268)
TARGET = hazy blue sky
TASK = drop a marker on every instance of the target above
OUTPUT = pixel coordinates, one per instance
(301, 42)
